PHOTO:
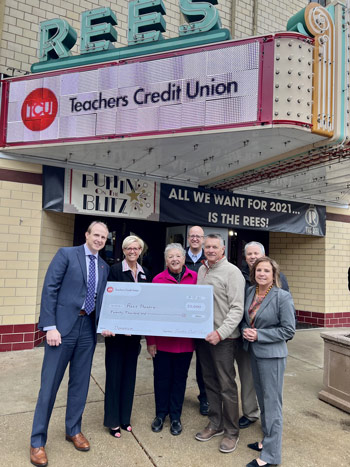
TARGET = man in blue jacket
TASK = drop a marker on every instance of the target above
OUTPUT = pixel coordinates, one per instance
(70, 307)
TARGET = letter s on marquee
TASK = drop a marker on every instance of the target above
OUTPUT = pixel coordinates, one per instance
(201, 16)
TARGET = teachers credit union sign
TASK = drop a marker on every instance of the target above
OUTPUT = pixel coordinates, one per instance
(215, 86)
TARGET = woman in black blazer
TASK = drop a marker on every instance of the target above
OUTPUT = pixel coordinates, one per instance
(122, 351)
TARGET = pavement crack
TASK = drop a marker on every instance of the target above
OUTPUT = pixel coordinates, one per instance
(97, 384)
(306, 361)
(144, 449)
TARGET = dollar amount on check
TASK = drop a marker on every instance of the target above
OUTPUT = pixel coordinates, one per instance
(172, 310)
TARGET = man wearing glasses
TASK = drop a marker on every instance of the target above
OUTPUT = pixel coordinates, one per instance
(194, 257)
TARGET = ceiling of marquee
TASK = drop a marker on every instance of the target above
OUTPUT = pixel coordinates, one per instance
(242, 161)
(325, 184)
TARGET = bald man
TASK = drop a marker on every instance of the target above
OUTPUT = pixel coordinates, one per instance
(194, 258)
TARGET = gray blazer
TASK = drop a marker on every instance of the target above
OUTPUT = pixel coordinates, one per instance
(274, 321)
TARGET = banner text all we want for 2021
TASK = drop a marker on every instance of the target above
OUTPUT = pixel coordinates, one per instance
(114, 196)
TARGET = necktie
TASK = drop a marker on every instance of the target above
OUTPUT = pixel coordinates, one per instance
(90, 296)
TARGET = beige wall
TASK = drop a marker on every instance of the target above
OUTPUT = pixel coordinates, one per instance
(337, 296)
(29, 239)
(20, 227)
(302, 260)
(316, 267)
(21, 18)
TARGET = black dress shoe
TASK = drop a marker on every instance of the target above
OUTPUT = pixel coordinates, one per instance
(204, 407)
(244, 422)
(254, 463)
(254, 446)
(175, 427)
(157, 424)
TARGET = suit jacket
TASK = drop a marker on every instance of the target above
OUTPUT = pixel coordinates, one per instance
(65, 288)
(274, 321)
(117, 274)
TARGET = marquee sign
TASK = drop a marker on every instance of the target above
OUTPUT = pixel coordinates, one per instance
(214, 87)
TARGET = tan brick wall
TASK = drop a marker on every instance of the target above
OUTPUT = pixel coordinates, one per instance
(29, 239)
(21, 18)
(337, 297)
(20, 224)
(316, 267)
(302, 260)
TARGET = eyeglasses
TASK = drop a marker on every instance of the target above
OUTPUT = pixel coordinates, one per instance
(132, 249)
(195, 237)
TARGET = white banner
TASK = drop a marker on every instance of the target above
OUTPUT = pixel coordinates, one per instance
(110, 195)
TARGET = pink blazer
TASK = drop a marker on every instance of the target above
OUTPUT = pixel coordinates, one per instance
(173, 344)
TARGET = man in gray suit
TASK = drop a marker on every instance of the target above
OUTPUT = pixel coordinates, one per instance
(252, 251)
(70, 307)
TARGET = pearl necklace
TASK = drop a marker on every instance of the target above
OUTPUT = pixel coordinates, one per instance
(267, 291)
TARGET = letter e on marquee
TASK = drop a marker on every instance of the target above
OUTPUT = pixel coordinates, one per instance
(39, 109)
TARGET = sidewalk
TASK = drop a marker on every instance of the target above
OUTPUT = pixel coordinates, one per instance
(315, 433)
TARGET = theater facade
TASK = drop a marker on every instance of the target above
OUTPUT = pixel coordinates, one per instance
(247, 136)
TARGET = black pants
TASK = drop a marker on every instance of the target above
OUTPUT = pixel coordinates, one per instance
(202, 397)
(170, 376)
(121, 362)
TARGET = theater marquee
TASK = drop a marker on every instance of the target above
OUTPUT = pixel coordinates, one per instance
(208, 88)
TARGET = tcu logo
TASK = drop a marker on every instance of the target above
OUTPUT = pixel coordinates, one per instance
(39, 109)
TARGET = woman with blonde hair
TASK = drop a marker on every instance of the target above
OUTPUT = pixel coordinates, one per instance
(122, 351)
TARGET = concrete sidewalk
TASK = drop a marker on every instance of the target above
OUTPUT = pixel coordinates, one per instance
(315, 433)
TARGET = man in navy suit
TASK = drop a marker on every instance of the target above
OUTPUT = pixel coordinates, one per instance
(69, 315)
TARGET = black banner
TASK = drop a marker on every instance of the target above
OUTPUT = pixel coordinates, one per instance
(227, 209)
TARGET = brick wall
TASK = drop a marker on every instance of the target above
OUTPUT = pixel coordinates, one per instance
(20, 224)
(21, 18)
(337, 295)
(29, 239)
(316, 269)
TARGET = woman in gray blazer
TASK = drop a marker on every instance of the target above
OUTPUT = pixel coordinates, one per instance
(268, 323)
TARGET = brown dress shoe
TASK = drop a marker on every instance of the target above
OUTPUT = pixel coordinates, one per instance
(228, 444)
(79, 441)
(208, 433)
(38, 456)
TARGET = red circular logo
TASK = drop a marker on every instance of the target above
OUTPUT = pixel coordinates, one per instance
(39, 109)
(109, 289)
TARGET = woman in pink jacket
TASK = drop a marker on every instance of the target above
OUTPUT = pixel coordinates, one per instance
(171, 355)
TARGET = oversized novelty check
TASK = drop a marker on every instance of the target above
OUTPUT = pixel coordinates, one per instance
(157, 309)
